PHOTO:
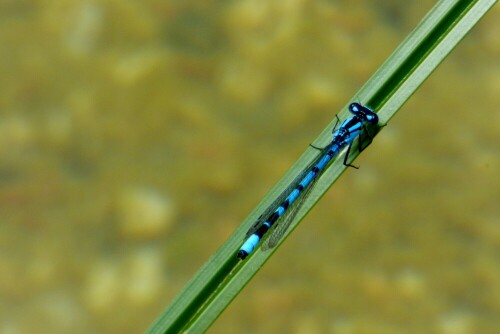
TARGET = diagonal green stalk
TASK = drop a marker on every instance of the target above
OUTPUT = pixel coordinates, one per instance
(223, 276)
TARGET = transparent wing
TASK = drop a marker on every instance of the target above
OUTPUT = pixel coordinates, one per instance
(277, 202)
(282, 225)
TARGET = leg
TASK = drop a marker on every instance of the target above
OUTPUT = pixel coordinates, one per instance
(316, 147)
(333, 130)
(365, 130)
(336, 123)
(347, 156)
(369, 136)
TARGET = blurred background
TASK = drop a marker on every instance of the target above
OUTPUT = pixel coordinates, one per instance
(136, 136)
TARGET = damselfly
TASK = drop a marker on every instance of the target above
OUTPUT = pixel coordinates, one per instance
(281, 212)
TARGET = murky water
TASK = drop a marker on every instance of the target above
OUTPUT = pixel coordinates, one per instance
(136, 136)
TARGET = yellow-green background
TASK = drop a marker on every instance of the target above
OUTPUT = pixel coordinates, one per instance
(136, 135)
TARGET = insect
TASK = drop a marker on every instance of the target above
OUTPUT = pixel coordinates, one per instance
(282, 211)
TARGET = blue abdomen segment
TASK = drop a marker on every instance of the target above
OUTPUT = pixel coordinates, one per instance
(248, 246)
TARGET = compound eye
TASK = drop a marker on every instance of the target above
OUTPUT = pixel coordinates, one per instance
(354, 107)
(372, 118)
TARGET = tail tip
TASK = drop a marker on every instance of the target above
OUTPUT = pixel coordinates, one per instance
(242, 254)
